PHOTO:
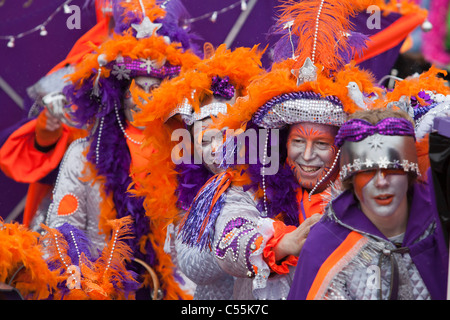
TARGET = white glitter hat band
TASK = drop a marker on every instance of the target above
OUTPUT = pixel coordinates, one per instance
(296, 107)
(189, 116)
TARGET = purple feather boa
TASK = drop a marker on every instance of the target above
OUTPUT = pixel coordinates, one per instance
(281, 188)
(82, 242)
(114, 155)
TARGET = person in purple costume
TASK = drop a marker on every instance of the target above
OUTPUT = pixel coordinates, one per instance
(381, 238)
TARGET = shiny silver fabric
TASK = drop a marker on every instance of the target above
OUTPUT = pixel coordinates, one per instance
(86, 216)
(303, 110)
(212, 283)
(352, 277)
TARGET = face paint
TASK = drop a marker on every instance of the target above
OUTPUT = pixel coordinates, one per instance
(145, 83)
(311, 152)
(381, 193)
(208, 144)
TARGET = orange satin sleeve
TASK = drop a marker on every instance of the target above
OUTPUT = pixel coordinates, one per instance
(22, 162)
(280, 229)
(36, 193)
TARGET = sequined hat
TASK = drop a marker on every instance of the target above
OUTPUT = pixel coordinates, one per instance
(205, 89)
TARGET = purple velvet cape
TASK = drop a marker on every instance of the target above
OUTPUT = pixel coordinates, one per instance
(430, 255)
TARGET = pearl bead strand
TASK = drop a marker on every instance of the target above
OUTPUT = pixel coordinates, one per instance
(325, 176)
(116, 109)
(99, 136)
(313, 55)
(263, 172)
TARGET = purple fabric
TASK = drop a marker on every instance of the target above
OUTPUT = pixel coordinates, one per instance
(132, 68)
(430, 255)
(357, 129)
(83, 243)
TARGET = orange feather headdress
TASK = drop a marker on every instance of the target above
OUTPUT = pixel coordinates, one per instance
(194, 85)
(142, 44)
(317, 71)
(421, 96)
(239, 66)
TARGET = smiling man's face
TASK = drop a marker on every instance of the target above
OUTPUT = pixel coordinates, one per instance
(311, 152)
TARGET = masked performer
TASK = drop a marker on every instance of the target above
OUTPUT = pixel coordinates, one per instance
(381, 238)
(96, 172)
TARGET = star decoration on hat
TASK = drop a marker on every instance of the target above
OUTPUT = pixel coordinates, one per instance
(146, 28)
(308, 72)
(121, 72)
(383, 162)
(151, 64)
(368, 163)
(375, 142)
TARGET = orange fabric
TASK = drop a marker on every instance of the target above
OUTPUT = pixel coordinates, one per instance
(422, 147)
(269, 255)
(35, 194)
(392, 35)
(344, 248)
(316, 205)
(45, 137)
(139, 153)
(20, 160)
(96, 35)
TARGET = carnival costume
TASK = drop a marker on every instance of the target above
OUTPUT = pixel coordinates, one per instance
(345, 244)
(182, 103)
(31, 153)
(311, 84)
(93, 183)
